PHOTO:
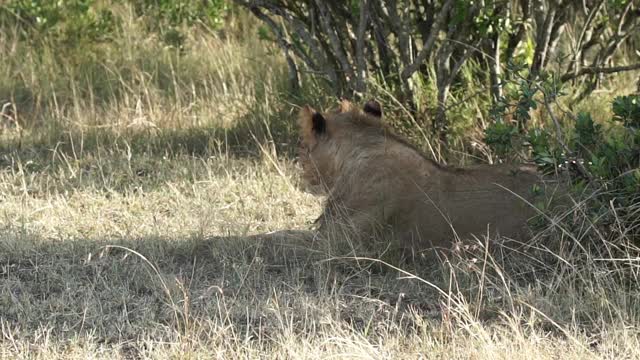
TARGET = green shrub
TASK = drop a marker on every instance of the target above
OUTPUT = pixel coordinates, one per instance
(77, 22)
(603, 155)
(68, 22)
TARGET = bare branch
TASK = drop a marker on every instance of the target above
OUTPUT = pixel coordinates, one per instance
(314, 45)
(494, 67)
(515, 39)
(579, 50)
(399, 29)
(361, 64)
(468, 50)
(425, 15)
(599, 70)
(623, 16)
(386, 54)
(334, 41)
(587, 24)
(294, 81)
(543, 37)
(428, 44)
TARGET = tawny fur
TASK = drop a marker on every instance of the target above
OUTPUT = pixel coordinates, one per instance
(378, 184)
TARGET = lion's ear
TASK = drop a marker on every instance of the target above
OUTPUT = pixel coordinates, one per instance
(373, 108)
(311, 124)
(345, 106)
(319, 123)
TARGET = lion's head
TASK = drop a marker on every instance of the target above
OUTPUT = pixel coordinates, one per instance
(327, 139)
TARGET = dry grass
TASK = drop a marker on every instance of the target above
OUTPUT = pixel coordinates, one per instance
(128, 204)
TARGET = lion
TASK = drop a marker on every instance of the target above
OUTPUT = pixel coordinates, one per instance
(376, 183)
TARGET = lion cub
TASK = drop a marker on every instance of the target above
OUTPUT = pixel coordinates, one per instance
(379, 185)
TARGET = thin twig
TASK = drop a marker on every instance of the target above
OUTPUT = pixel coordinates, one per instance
(583, 171)
(599, 70)
(335, 42)
(428, 44)
(361, 65)
(294, 80)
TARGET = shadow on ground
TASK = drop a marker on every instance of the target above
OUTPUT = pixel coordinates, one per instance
(138, 158)
(118, 290)
(242, 140)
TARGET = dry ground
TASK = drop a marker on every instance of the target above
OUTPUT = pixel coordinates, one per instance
(124, 255)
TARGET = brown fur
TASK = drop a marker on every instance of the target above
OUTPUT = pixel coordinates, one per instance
(376, 181)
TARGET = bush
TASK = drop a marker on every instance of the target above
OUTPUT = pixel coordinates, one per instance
(602, 156)
(75, 23)
(167, 16)
(405, 44)
(69, 22)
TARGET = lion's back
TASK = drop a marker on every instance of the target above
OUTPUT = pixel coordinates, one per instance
(483, 200)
